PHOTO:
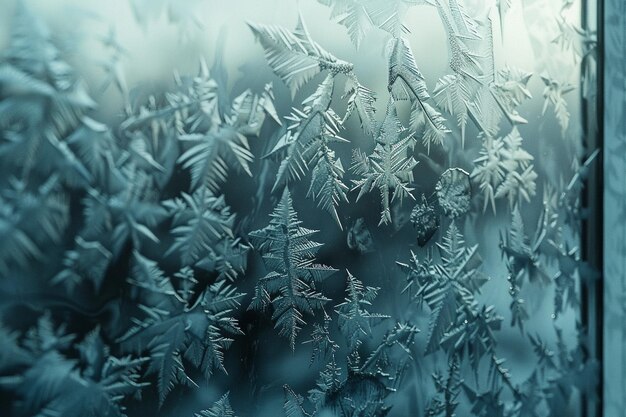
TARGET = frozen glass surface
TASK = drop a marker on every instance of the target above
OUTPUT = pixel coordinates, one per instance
(263, 208)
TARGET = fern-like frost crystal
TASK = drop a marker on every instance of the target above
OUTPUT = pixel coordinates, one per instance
(290, 285)
(390, 167)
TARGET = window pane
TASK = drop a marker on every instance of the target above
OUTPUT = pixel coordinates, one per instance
(323, 207)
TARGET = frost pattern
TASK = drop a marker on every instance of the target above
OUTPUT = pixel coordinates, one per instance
(151, 253)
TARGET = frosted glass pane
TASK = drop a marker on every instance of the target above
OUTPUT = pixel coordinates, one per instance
(314, 208)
